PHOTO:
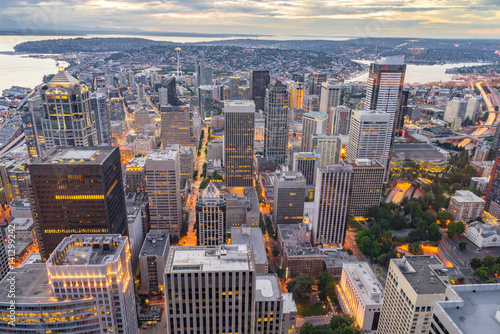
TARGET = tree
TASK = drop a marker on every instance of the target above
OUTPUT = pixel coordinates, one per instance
(275, 250)
(326, 285)
(174, 239)
(475, 263)
(482, 273)
(462, 245)
(443, 217)
(488, 261)
(455, 228)
(301, 286)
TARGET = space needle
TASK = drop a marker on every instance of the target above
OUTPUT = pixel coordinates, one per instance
(178, 51)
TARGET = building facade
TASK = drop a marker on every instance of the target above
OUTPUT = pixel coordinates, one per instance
(76, 190)
(331, 204)
(340, 120)
(259, 80)
(330, 98)
(289, 197)
(163, 186)
(329, 149)
(177, 126)
(276, 116)
(307, 163)
(152, 259)
(465, 206)
(211, 217)
(135, 176)
(312, 123)
(239, 135)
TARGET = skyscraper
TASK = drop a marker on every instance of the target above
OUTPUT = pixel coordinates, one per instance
(177, 126)
(331, 204)
(412, 287)
(306, 163)
(163, 185)
(32, 127)
(383, 92)
(204, 74)
(276, 116)
(366, 185)
(289, 197)
(211, 217)
(76, 191)
(312, 123)
(315, 81)
(205, 101)
(99, 103)
(368, 136)
(68, 119)
(341, 118)
(328, 147)
(135, 176)
(211, 290)
(239, 118)
(96, 268)
(329, 98)
(296, 94)
(259, 80)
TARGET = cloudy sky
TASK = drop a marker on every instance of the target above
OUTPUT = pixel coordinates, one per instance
(352, 18)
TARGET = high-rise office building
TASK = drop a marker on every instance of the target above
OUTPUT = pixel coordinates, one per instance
(99, 103)
(116, 109)
(296, 95)
(32, 126)
(329, 98)
(403, 110)
(315, 81)
(312, 123)
(234, 84)
(259, 80)
(492, 206)
(210, 290)
(205, 101)
(366, 185)
(368, 135)
(331, 204)
(95, 268)
(306, 163)
(135, 176)
(177, 126)
(4, 260)
(163, 186)
(328, 147)
(289, 197)
(239, 118)
(311, 103)
(385, 84)
(76, 190)
(473, 107)
(68, 119)
(152, 259)
(211, 217)
(412, 287)
(341, 118)
(276, 116)
(204, 74)
(455, 108)
(169, 84)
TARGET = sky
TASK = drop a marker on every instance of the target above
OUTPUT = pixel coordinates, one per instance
(343, 18)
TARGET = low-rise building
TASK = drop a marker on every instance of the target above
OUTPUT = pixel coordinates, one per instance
(427, 157)
(303, 260)
(20, 208)
(335, 260)
(480, 183)
(152, 259)
(252, 236)
(135, 176)
(483, 235)
(360, 295)
(22, 228)
(466, 206)
(292, 235)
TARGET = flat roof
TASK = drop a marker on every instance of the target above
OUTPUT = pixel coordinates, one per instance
(250, 236)
(161, 155)
(303, 251)
(85, 249)
(477, 314)
(251, 195)
(418, 272)
(267, 288)
(34, 281)
(205, 259)
(416, 151)
(365, 282)
(155, 243)
(77, 156)
(466, 196)
(289, 305)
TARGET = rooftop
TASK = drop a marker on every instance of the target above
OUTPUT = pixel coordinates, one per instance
(206, 259)
(135, 163)
(22, 224)
(319, 116)
(34, 281)
(250, 236)
(304, 155)
(76, 156)
(82, 249)
(365, 282)
(23, 203)
(251, 195)
(466, 196)
(289, 305)
(62, 77)
(161, 155)
(291, 231)
(416, 151)
(362, 163)
(155, 243)
(486, 230)
(267, 288)
(390, 61)
(480, 305)
(289, 177)
(422, 273)
(303, 251)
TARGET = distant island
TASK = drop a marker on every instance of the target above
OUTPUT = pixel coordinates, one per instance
(416, 51)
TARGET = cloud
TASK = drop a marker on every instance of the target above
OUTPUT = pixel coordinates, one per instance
(419, 18)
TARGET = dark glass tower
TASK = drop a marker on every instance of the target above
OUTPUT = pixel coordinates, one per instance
(259, 80)
(276, 126)
(76, 191)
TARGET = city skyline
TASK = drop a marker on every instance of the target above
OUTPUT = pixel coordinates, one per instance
(400, 18)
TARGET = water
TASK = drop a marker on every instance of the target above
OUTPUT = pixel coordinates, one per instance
(420, 73)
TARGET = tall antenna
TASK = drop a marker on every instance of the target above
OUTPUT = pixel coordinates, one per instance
(178, 51)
